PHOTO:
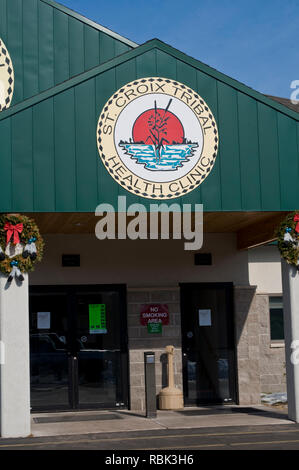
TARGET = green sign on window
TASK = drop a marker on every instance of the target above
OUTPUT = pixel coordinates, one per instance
(154, 327)
(97, 319)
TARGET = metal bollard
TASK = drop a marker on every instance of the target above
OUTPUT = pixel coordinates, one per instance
(150, 385)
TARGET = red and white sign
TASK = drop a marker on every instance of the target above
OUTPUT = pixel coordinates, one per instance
(154, 313)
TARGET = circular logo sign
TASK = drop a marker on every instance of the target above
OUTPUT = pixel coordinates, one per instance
(157, 138)
(6, 77)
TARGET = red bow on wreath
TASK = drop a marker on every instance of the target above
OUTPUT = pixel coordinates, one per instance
(13, 230)
(296, 219)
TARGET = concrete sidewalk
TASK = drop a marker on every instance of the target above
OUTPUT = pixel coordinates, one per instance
(92, 422)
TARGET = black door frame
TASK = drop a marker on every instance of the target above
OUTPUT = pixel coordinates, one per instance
(70, 290)
(229, 286)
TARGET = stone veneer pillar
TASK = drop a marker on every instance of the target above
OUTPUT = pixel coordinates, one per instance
(140, 341)
(247, 337)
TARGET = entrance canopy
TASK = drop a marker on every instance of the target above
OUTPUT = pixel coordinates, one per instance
(252, 228)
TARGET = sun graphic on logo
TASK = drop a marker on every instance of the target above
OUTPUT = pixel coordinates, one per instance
(159, 142)
(158, 126)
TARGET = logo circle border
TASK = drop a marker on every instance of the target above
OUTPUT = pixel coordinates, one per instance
(10, 70)
(118, 179)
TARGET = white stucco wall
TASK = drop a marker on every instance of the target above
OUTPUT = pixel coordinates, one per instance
(265, 269)
(141, 262)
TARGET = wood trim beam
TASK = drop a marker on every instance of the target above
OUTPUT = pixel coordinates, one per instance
(252, 228)
(259, 233)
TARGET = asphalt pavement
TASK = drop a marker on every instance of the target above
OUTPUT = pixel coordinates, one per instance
(278, 437)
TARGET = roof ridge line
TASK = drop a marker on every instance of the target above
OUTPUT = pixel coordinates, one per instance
(222, 77)
(89, 22)
(151, 44)
(77, 79)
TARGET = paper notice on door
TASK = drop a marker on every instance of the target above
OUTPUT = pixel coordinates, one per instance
(205, 318)
(43, 320)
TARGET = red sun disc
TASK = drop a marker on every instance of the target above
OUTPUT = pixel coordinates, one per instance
(158, 127)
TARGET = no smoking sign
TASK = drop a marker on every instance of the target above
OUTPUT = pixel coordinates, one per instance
(154, 313)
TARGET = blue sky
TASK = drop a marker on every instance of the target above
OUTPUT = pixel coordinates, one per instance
(253, 41)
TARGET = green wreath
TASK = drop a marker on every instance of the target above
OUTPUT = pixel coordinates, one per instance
(288, 239)
(19, 230)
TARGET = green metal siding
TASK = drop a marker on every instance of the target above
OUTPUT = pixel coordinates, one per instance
(268, 157)
(50, 162)
(250, 178)
(48, 46)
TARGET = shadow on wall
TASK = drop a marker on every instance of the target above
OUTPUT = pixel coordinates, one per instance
(244, 306)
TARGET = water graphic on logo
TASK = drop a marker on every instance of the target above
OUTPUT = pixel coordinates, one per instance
(159, 142)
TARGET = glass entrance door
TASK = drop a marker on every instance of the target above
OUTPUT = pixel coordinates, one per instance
(49, 345)
(101, 335)
(78, 347)
(208, 343)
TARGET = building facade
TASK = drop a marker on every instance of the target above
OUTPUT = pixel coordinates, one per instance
(90, 300)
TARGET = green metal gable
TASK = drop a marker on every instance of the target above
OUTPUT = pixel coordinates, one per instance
(49, 160)
(49, 44)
